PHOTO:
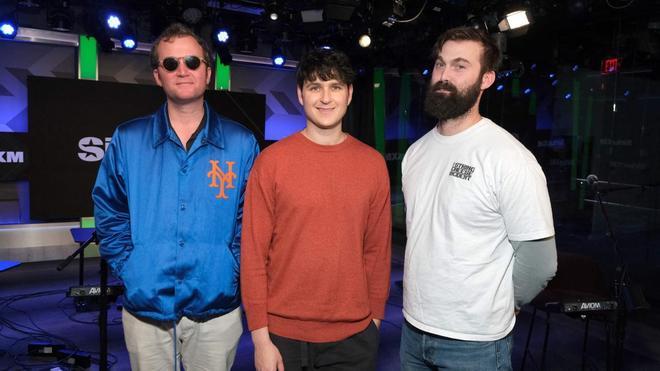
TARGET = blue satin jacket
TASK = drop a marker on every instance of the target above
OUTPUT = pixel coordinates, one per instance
(169, 220)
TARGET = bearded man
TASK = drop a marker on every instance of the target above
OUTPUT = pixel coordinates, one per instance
(479, 222)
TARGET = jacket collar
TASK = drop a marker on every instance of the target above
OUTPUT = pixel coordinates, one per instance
(212, 132)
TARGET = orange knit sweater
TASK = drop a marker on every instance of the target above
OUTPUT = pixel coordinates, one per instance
(316, 239)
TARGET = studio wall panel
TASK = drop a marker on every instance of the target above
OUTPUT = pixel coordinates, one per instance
(284, 115)
(125, 67)
(19, 60)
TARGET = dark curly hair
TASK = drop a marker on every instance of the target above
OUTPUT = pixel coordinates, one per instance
(325, 64)
(490, 58)
(178, 30)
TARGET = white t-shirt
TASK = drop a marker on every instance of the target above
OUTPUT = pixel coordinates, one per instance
(466, 196)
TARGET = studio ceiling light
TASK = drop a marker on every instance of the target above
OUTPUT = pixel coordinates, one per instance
(364, 40)
(277, 56)
(113, 21)
(222, 35)
(514, 20)
(272, 10)
(8, 30)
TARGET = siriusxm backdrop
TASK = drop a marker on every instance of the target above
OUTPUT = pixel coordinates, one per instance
(69, 132)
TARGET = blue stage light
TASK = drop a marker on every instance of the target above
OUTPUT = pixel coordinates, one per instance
(500, 87)
(129, 43)
(222, 36)
(279, 60)
(568, 96)
(555, 82)
(8, 30)
(527, 91)
(425, 72)
(277, 56)
(113, 21)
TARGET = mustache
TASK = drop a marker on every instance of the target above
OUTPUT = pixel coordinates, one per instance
(444, 85)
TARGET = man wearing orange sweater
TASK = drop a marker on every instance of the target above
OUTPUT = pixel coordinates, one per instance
(315, 250)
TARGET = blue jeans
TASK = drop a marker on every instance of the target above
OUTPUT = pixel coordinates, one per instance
(424, 351)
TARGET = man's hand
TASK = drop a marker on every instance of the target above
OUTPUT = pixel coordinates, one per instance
(266, 355)
(377, 323)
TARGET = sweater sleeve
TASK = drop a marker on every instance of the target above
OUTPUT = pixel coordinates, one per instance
(258, 222)
(378, 244)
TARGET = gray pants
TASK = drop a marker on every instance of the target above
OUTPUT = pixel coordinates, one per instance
(209, 345)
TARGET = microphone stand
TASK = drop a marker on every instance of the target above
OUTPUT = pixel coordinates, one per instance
(103, 297)
(80, 251)
(620, 286)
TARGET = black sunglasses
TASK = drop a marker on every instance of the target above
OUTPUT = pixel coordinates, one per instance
(191, 61)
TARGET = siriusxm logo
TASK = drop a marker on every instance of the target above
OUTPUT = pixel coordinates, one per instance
(93, 148)
(11, 157)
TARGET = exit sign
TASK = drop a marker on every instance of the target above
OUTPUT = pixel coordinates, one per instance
(609, 65)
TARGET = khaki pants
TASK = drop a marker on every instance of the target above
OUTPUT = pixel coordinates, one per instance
(209, 345)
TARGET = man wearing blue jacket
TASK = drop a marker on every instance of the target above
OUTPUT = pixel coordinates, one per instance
(168, 205)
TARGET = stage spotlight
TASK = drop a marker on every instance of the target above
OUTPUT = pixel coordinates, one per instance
(279, 60)
(551, 75)
(278, 57)
(272, 10)
(514, 20)
(500, 87)
(555, 82)
(517, 19)
(568, 96)
(575, 68)
(425, 72)
(222, 35)
(626, 93)
(365, 40)
(8, 29)
(527, 91)
(128, 43)
(113, 21)
(326, 47)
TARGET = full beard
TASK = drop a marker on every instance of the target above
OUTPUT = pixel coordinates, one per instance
(447, 106)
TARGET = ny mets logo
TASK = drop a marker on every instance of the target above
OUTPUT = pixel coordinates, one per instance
(220, 179)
